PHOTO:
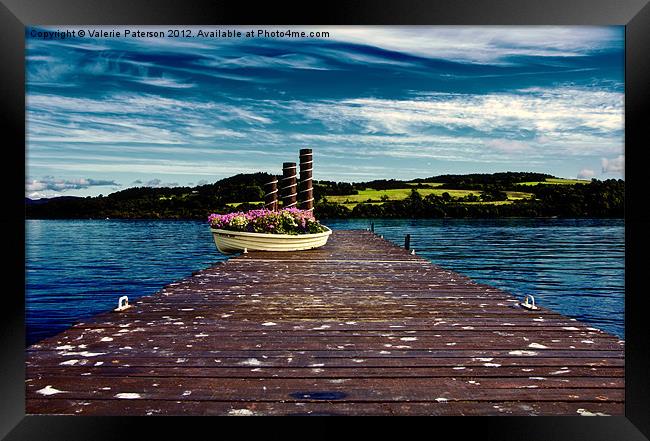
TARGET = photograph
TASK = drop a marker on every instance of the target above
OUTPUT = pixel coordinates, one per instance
(325, 220)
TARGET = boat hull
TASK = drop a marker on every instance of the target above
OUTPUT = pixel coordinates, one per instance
(229, 242)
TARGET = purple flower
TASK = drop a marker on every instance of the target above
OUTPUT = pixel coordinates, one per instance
(286, 221)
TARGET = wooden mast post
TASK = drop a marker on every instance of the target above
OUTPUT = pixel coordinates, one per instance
(306, 195)
(271, 195)
(288, 191)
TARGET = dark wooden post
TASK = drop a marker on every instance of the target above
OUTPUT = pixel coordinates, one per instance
(372, 227)
(306, 194)
(288, 185)
(271, 196)
(407, 242)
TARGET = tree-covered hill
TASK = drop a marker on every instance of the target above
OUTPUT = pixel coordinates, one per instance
(474, 195)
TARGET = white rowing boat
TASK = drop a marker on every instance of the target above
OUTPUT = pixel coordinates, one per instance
(229, 242)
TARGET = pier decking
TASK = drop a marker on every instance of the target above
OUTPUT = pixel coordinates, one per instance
(359, 326)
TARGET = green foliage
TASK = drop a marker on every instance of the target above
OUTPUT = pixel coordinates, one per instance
(501, 197)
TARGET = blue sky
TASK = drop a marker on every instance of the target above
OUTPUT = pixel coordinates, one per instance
(372, 102)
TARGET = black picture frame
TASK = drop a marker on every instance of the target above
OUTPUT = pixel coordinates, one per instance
(15, 15)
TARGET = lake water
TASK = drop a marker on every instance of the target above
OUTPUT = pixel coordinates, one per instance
(78, 268)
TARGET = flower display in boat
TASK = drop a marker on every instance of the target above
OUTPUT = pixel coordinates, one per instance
(285, 221)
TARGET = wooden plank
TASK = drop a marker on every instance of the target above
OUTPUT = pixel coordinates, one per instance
(244, 408)
(359, 326)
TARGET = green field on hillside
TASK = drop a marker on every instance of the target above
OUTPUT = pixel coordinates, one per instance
(556, 181)
(350, 201)
(374, 197)
(396, 194)
(425, 184)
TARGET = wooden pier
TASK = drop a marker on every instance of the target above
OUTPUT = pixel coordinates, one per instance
(359, 326)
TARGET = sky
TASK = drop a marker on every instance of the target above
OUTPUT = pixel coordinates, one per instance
(105, 114)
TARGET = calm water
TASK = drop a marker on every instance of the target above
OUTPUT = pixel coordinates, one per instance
(77, 268)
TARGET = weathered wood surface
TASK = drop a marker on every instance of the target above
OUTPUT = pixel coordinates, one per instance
(356, 327)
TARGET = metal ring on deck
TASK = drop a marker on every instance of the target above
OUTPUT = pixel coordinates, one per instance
(527, 305)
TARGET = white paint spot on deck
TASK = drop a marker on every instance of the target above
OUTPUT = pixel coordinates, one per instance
(408, 338)
(251, 362)
(49, 390)
(570, 328)
(491, 364)
(584, 412)
(106, 339)
(69, 362)
(527, 353)
(269, 324)
(127, 395)
(537, 346)
(65, 347)
(358, 360)
(187, 392)
(442, 400)
(83, 354)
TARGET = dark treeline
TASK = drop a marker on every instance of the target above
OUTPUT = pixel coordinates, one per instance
(595, 199)
(481, 181)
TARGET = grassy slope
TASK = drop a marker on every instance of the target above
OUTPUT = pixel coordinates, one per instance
(350, 201)
(557, 181)
(398, 194)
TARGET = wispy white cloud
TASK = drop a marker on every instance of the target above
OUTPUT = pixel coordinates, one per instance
(586, 173)
(157, 183)
(165, 82)
(484, 44)
(567, 120)
(508, 145)
(49, 185)
(616, 165)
